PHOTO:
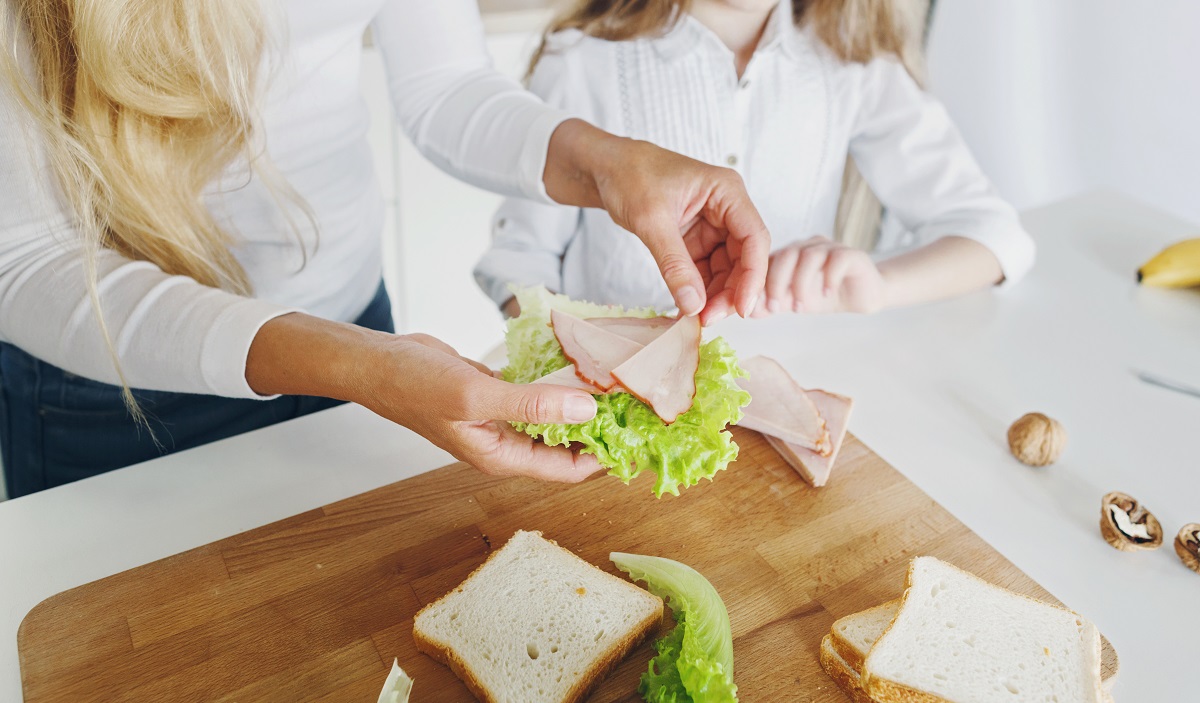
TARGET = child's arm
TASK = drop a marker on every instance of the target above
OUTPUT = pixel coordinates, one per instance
(528, 242)
(914, 159)
(819, 275)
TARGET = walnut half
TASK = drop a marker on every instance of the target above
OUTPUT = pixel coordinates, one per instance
(1187, 546)
(1127, 525)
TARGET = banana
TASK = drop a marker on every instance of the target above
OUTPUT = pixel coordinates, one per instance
(1177, 266)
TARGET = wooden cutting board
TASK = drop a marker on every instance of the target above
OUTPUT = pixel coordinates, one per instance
(315, 607)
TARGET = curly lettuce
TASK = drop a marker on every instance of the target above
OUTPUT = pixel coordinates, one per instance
(625, 435)
(694, 662)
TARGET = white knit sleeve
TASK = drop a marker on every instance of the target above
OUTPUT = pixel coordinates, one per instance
(530, 238)
(464, 116)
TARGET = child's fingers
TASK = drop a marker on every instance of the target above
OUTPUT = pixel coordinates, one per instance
(779, 279)
(837, 267)
(809, 279)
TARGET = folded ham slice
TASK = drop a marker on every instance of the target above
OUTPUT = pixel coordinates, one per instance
(780, 408)
(815, 469)
(594, 351)
(663, 374)
(567, 376)
(642, 330)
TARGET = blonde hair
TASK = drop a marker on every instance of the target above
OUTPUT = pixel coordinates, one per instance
(855, 30)
(140, 105)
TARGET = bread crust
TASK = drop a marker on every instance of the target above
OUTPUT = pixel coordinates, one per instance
(848, 652)
(601, 667)
(843, 675)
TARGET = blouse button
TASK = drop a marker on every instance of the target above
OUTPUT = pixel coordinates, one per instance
(731, 159)
(500, 223)
(744, 84)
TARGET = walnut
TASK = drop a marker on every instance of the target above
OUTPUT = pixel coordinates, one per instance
(1187, 546)
(1127, 525)
(1037, 440)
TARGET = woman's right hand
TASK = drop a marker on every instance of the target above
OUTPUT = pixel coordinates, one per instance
(422, 383)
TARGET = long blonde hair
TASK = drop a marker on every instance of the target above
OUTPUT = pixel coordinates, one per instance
(140, 105)
(855, 30)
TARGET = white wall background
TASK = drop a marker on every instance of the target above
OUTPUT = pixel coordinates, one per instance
(1061, 96)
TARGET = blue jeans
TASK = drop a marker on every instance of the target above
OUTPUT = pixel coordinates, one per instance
(56, 427)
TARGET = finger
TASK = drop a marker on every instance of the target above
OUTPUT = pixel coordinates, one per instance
(492, 399)
(676, 265)
(752, 249)
(808, 280)
(719, 307)
(497, 449)
(779, 278)
(839, 264)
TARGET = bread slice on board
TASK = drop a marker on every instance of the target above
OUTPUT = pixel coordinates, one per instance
(959, 638)
(854, 635)
(844, 675)
(536, 624)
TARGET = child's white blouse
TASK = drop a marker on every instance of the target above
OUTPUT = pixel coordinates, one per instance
(786, 126)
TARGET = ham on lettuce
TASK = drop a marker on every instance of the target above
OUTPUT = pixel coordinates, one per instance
(626, 435)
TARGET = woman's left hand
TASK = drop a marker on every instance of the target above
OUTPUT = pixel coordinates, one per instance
(696, 219)
(820, 276)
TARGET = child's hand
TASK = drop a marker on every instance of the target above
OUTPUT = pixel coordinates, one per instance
(818, 276)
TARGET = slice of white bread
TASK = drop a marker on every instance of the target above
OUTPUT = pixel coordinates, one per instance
(958, 638)
(847, 677)
(854, 635)
(844, 675)
(536, 624)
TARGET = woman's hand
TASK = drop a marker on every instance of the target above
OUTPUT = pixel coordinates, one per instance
(818, 276)
(422, 383)
(697, 220)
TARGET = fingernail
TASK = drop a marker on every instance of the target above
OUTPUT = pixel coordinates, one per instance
(690, 301)
(753, 303)
(579, 408)
(773, 305)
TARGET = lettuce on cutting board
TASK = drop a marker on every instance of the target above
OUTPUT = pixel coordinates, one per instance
(695, 661)
(625, 435)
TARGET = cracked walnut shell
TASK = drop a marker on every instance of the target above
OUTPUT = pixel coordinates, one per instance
(1187, 546)
(1037, 440)
(1128, 526)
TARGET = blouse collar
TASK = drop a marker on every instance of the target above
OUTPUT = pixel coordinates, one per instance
(682, 37)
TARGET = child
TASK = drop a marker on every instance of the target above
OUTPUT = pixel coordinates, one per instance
(783, 92)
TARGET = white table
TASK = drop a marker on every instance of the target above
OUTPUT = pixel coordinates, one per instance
(935, 387)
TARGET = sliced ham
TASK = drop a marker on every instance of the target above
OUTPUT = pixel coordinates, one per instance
(663, 374)
(642, 330)
(780, 408)
(815, 469)
(566, 376)
(593, 351)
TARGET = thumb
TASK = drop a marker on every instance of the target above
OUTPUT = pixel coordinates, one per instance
(676, 265)
(534, 402)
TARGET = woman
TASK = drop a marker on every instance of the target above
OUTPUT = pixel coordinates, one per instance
(188, 208)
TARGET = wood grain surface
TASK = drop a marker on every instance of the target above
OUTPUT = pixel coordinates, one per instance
(315, 607)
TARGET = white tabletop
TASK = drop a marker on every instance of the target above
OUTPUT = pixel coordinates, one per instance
(935, 390)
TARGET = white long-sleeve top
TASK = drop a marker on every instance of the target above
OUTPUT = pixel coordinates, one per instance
(172, 333)
(786, 126)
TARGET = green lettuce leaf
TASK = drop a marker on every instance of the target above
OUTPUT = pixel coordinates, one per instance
(695, 661)
(625, 435)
